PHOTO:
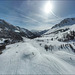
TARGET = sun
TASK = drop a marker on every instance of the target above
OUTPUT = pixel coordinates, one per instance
(48, 7)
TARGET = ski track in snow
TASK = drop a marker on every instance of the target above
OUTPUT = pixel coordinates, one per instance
(29, 58)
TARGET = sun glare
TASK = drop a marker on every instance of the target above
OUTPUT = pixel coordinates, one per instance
(48, 7)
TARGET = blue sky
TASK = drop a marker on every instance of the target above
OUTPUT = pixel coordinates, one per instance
(30, 13)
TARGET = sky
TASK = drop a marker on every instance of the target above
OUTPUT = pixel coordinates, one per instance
(32, 14)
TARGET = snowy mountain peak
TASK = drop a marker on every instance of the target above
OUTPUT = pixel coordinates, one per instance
(65, 22)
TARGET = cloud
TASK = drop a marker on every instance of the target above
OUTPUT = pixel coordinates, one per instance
(30, 19)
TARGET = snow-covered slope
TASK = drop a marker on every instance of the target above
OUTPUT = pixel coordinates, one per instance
(30, 58)
(63, 31)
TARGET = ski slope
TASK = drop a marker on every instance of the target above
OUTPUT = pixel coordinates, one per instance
(29, 57)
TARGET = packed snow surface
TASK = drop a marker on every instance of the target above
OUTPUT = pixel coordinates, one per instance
(29, 57)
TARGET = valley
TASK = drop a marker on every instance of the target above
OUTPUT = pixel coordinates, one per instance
(41, 55)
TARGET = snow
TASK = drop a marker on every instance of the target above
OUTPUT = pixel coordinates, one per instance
(2, 40)
(29, 57)
(17, 31)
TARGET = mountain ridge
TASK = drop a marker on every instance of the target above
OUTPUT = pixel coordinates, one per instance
(65, 22)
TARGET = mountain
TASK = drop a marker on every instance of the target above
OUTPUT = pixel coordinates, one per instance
(62, 26)
(39, 32)
(65, 22)
(25, 33)
(64, 31)
(14, 33)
